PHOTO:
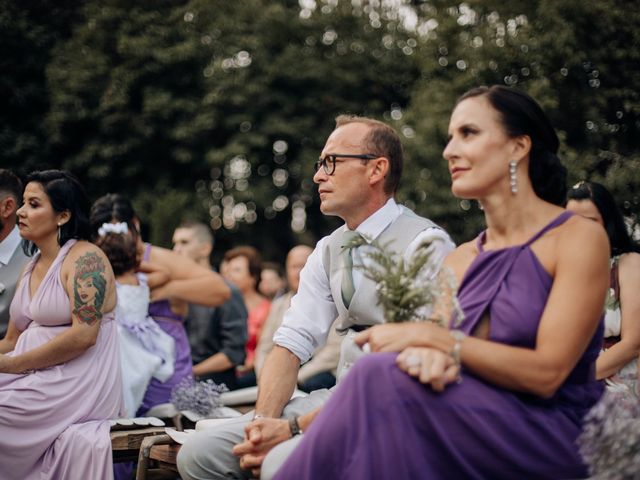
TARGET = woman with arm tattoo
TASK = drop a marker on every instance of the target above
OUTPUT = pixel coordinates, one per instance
(60, 384)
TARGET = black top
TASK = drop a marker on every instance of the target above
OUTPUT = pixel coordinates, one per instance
(220, 329)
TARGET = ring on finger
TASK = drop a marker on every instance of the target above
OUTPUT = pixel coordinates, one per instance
(413, 361)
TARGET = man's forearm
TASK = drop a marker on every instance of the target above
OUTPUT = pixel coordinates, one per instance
(218, 362)
(277, 381)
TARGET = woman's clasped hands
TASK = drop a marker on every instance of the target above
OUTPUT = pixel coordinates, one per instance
(423, 347)
(430, 366)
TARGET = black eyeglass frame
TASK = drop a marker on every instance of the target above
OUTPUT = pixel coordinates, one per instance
(328, 163)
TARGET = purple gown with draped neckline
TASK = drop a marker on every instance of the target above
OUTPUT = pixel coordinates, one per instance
(380, 423)
(54, 421)
(160, 392)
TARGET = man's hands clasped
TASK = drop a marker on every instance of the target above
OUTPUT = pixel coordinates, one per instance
(261, 435)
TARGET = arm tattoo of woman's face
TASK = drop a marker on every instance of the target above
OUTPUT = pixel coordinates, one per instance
(89, 288)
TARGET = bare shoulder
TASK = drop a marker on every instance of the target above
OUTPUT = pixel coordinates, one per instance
(90, 282)
(179, 267)
(163, 256)
(459, 259)
(629, 267)
(464, 252)
(583, 233)
(85, 254)
(581, 248)
(630, 260)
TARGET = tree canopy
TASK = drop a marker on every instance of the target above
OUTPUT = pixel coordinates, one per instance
(217, 110)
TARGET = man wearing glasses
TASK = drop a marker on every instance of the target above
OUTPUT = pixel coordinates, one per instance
(357, 175)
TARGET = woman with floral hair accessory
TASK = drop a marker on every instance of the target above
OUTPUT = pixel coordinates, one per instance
(503, 396)
(146, 351)
(618, 362)
(59, 367)
(188, 283)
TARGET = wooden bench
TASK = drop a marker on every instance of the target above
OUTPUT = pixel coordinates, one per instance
(158, 458)
(126, 443)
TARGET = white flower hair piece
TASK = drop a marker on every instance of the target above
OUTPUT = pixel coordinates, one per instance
(120, 228)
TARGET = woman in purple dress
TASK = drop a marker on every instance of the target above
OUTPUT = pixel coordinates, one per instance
(503, 394)
(59, 365)
(188, 282)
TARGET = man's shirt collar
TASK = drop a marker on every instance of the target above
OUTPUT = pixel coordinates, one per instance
(373, 226)
(9, 245)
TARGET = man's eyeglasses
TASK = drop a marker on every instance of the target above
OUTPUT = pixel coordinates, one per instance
(328, 163)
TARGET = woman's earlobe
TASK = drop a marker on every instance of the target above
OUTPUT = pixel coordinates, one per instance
(523, 146)
(64, 217)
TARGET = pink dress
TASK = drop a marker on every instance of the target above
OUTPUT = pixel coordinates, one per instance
(54, 423)
(257, 316)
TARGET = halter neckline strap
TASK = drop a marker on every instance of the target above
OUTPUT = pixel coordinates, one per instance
(559, 220)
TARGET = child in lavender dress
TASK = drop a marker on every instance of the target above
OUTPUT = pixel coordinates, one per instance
(187, 283)
(146, 351)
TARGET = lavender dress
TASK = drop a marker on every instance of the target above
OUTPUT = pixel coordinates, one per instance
(54, 422)
(160, 392)
(381, 423)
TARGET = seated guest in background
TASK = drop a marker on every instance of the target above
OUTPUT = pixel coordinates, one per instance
(60, 382)
(272, 280)
(320, 371)
(188, 282)
(516, 375)
(618, 362)
(12, 257)
(217, 335)
(243, 270)
(146, 351)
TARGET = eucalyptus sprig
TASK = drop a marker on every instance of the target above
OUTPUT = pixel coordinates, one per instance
(407, 289)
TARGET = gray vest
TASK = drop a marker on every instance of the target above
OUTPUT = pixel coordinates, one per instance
(9, 277)
(363, 310)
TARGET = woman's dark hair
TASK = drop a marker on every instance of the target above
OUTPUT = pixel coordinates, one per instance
(521, 115)
(112, 207)
(65, 193)
(120, 249)
(619, 237)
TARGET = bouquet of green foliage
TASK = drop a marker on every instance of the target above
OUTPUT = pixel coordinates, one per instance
(408, 290)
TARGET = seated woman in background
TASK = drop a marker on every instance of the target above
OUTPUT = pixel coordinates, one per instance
(146, 351)
(243, 268)
(60, 372)
(618, 362)
(188, 282)
(503, 394)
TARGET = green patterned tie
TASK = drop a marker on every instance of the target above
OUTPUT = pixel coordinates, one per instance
(347, 288)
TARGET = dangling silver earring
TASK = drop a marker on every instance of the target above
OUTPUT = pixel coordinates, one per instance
(59, 228)
(512, 176)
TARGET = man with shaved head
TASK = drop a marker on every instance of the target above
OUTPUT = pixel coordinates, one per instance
(216, 334)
